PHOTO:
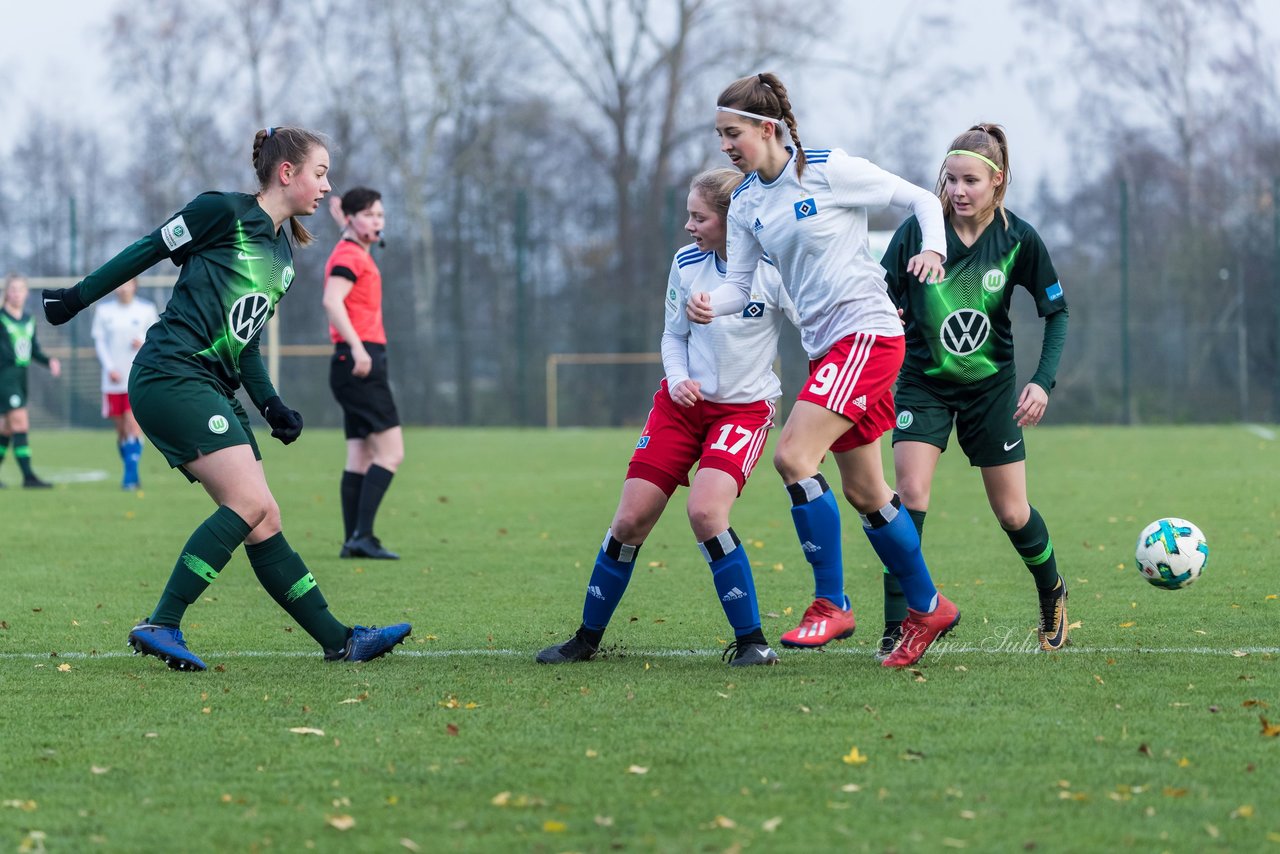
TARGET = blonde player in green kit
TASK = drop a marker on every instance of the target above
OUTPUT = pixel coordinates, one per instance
(959, 363)
(237, 263)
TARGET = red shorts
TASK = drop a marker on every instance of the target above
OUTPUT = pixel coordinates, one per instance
(725, 436)
(855, 378)
(115, 404)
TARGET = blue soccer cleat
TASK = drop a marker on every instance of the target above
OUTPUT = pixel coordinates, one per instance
(166, 644)
(369, 642)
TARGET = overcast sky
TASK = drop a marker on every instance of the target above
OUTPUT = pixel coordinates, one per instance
(53, 57)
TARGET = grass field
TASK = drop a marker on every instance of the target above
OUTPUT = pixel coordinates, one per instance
(1146, 733)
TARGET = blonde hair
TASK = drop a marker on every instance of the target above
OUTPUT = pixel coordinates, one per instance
(990, 141)
(273, 146)
(716, 186)
(764, 95)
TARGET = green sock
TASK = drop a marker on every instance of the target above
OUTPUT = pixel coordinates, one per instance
(1036, 550)
(203, 557)
(895, 602)
(282, 573)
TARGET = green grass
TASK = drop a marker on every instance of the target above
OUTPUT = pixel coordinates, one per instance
(460, 742)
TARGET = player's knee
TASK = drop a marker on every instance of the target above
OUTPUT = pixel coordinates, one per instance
(707, 520)
(914, 492)
(1012, 516)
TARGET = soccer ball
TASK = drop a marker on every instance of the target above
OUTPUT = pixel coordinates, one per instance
(1172, 553)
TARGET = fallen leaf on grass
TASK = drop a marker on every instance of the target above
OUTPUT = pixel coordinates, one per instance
(855, 757)
(637, 769)
(451, 729)
(1128, 624)
(1243, 811)
(851, 787)
(99, 769)
(306, 730)
(340, 822)
(770, 825)
(63, 668)
(1184, 762)
(552, 826)
(25, 806)
(723, 822)
(360, 698)
(1269, 730)
(1251, 703)
(1239, 653)
(409, 845)
(604, 821)
(1174, 792)
(1144, 750)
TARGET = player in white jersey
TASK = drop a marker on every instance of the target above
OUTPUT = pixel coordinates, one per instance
(714, 408)
(119, 329)
(808, 210)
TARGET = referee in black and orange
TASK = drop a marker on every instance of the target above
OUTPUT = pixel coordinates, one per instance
(358, 370)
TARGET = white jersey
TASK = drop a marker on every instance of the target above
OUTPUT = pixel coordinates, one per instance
(731, 359)
(815, 230)
(118, 330)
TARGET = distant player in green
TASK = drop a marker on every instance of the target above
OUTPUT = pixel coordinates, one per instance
(237, 263)
(959, 364)
(18, 349)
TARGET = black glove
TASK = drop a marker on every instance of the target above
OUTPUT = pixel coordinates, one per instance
(286, 423)
(61, 304)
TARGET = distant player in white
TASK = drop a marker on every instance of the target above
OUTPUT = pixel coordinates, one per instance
(119, 329)
(714, 409)
(808, 210)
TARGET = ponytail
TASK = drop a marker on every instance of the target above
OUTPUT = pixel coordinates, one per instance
(990, 142)
(273, 146)
(764, 95)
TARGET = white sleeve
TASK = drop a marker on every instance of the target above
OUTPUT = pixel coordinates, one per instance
(743, 252)
(100, 339)
(857, 182)
(675, 333)
(928, 211)
(781, 298)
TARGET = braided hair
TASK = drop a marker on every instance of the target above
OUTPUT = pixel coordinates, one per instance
(273, 146)
(764, 95)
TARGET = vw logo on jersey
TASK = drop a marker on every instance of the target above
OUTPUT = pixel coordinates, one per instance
(993, 281)
(219, 424)
(806, 208)
(755, 308)
(905, 418)
(286, 278)
(247, 316)
(964, 331)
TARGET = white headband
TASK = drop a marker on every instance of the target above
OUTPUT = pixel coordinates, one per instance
(745, 114)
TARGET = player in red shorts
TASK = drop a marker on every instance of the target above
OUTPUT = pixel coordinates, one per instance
(119, 329)
(807, 209)
(714, 409)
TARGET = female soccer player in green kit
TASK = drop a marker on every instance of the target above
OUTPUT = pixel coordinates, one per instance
(18, 349)
(959, 363)
(237, 263)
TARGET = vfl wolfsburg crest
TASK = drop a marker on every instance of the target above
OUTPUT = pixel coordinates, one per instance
(964, 331)
(286, 278)
(993, 281)
(219, 424)
(248, 314)
(904, 419)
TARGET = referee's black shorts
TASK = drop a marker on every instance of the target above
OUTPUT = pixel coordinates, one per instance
(367, 405)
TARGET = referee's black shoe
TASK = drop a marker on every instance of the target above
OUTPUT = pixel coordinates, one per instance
(367, 546)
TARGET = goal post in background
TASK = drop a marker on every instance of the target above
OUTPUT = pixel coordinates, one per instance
(555, 360)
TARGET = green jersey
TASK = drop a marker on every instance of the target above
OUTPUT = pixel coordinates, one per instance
(235, 267)
(18, 344)
(959, 329)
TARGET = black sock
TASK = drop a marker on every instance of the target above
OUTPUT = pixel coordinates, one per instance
(591, 636)
(350, 491)
(756, 635)
(4, 446)
(282, 573)
(22, 453)
(376, 481)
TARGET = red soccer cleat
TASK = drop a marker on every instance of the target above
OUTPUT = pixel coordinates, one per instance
(823, 622)
(920, 630)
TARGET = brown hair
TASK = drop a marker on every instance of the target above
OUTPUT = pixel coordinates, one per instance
(764, 95)
(9, 280)
(990, 141)
(273, 146)
(716, 186)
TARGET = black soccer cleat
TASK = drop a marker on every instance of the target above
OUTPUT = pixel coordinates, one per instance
(366, 546)
(576, 648)
(749, 654)
(34, 482)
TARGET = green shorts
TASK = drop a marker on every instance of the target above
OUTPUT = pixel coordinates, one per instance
(13, 389)
(185, 417)
(982, 413)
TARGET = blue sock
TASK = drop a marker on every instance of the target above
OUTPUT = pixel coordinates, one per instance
(131, 452)
(731, 572)
(817, 519)
(893, 535)
(608, 582)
